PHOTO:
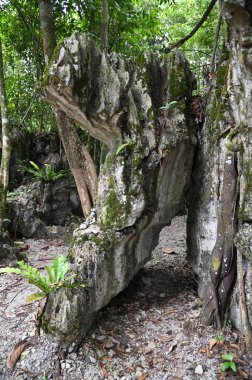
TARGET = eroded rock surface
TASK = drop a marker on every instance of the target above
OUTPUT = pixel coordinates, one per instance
(142, 184)
(221, 214)
(39, 204)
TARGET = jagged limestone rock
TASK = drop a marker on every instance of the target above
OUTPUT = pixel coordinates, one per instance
(39, 204)
(220, 212)
(142, 184)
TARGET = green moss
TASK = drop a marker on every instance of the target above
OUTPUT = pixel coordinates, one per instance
(114, 208)
(219, 104)
(47, 327)
(216, 263)
(178, 86)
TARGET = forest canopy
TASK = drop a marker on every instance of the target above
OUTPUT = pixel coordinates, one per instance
(134, 27)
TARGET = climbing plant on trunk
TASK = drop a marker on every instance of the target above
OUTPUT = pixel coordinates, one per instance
(6, 143)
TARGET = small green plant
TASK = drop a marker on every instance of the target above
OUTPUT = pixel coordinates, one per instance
(48, 174)
(56, 277)
(169, 106)
(11, 195)
(229, 323)
(123, 146)
(228, 362)
(220, 339)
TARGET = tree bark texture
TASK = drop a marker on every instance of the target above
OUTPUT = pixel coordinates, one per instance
(47, 28)
(80, 161)
(104, 25)
(220, 213)
(6, 143)
(144, 178)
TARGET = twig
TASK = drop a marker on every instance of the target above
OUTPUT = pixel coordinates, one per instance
(195, 29)
(12, 300)
(225, 131)
(32, 101)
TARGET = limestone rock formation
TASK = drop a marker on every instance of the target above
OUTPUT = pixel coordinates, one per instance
(40, 204)
(145, 176)
(220, 230)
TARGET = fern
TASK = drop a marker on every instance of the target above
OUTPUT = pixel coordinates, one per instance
(122, 146)
(48, 174)
(58, 269)
(169, 106)
(56, 276)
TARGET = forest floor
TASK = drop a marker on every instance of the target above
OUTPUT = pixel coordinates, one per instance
(150, 331)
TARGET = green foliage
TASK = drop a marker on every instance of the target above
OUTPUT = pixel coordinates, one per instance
(169, 106)
(11, 195)
(219, 338)
(48, 174)
(123, 146)
(56, 277)
(135, 26)
(228, 362)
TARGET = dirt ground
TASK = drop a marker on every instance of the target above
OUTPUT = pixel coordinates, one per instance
(150, 331)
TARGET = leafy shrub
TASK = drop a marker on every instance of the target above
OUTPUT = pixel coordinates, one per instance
(48, 174)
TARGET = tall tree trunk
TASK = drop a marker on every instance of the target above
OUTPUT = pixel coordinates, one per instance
(47, 28)
(6, 143)
(104, 25)
(80, 161)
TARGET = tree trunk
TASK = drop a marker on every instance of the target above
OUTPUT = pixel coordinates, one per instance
(80, 162)
(104, 25)
(47, 28)
(6, 143)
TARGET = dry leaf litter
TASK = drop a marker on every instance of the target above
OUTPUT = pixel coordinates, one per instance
(150, 331)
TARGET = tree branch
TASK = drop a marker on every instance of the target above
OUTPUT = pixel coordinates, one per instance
(195, 29)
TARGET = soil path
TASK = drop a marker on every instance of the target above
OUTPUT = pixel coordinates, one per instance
(150, 331)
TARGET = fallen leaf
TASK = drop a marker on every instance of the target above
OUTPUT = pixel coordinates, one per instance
(104, 370)
(235, 345)
(169, 310)
(56, 243)
(172, 346)
(143, 376)
(212, 343)
(170, 250)
(109, 344)
(24, 248)
(222, 376)
(15, 354)
(202, 349)
(239, 360)
(164, 338)
(235, 335)
(243, 374)
(45, 247)
(157, 360)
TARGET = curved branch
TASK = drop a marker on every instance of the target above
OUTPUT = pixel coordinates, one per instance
(195, 29)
